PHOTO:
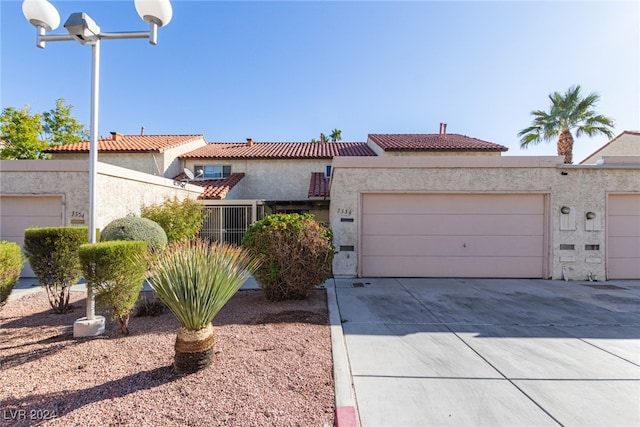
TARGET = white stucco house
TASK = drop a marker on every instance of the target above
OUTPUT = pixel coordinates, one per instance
(427, 205)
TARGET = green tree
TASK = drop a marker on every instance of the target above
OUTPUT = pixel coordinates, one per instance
(24, 135)
(60, 127)
(336, 135)
(567, 112)
(20, 134)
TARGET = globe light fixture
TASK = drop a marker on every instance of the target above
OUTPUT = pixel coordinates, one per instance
(41, 13)
(83, 29)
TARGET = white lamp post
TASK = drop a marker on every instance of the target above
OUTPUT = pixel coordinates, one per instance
(80, 27)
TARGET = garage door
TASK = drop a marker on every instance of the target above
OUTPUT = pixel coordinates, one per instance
(453, 235)
(20, 212)
(623, 236)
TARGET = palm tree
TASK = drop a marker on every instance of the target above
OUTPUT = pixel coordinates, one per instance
(336, 135)
(195, 280)
(567, 112)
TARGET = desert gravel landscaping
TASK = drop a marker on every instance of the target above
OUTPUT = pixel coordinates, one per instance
(272, 367)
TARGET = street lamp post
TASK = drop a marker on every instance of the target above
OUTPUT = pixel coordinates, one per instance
(81, 28)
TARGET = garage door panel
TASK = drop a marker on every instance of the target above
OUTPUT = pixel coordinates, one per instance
(21, 212)
(454, 203)
(9, 228)
(624, 225)
(462, 246)
(623, 236)
(624, 268)
(453, 235)
(523, 267)
(624, 204)
(455, 224)
(34, 206)
(624, 247)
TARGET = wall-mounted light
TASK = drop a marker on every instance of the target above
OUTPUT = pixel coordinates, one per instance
(591, 215)
(565, 210)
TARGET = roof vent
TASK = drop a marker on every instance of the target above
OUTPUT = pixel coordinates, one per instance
(116, 136)
(250, 142)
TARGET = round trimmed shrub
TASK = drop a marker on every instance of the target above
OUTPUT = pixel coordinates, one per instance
(296, 253)
(135, 228)
(11, 262)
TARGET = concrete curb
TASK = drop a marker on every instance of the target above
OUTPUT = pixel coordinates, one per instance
(346, 410)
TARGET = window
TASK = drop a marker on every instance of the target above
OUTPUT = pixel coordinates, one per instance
(213, 171)
(327, 171)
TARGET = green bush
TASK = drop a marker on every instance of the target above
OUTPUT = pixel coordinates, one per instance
(135, 228)
(11, 262)
(181, 220)
(296, 251)
(116, 272)
(53, 254)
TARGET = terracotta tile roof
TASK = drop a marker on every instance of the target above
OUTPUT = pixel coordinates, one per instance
(214, 189)
(279, 150)
(129, 144)
(433, 142)
(319, 185)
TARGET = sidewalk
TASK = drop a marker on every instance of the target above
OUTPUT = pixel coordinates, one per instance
(27, 285)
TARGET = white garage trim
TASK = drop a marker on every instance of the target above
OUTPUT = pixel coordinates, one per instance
(453, 235)
(623, 236)
(18, 212)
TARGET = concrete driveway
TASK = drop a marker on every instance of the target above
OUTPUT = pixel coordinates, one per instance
(473, 352)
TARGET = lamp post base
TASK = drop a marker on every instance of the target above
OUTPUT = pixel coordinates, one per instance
(84, 327)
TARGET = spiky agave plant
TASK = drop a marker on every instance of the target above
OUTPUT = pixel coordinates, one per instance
(195, 279)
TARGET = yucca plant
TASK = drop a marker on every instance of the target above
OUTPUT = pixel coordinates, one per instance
(195, 279)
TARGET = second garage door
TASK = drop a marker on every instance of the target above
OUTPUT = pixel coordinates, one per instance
(623, 236)
(453, 235)
(20, 212)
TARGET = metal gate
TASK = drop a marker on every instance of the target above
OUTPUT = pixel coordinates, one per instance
(228, 223)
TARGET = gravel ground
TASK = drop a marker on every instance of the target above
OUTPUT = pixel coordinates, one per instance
(272, 367)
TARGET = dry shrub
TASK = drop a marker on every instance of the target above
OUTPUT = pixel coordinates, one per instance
(296, 251)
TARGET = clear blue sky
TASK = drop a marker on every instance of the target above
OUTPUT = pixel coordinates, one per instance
(286, 71)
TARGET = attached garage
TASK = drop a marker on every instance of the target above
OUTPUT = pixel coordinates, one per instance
(454, 235)
(20, 212)
(623, 236)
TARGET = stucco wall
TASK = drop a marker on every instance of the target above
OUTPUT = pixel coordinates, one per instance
(150, 163)
(171, 164)
(626, 144)
(119, 191)
(582, 188)
(274, 179)
(122, 192)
